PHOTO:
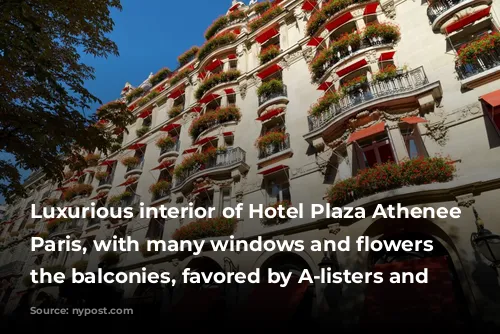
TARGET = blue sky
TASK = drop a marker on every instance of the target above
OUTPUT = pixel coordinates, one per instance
(150, 35)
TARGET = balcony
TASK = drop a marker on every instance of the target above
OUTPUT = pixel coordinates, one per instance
(14, 268)
(222, 162)
(275, 148)
(70, 227)
(161, 194)
(404, 85)
(131, 201)
(440, 11)
(268, 97)
(482, 66)
(174, 147)
(135, 168)
(107, 181)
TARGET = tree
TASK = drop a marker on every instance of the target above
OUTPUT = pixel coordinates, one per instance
(43, 100)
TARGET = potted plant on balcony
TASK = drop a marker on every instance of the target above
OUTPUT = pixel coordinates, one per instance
(114, 200)
(166, 142)
(130, 161)
(159, 76)
(110, 258)
(92, 159)
(179, 76)
(270, 141)
(196, 160)
(175, 111)
(386, 74)
(142, 131)
(145, 252)
(324, 103)
(470, 52)
(355, 84)
(187, 56)
(80, 266)
(206, 228)
(269, 54)
(126, 195)
(216, 42)
(270, 87)
(134, 94)
(386, 32)
(159, 187)
(265, 17)
(214, 80)
(101, 175)
(30, 226)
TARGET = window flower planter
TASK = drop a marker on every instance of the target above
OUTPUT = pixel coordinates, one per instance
(52, 224)
(175, 111)
(355, 84)
(159, 187)
(79, 189)
(196, 159)
(277, 220)
(159, 76)
(262, 7)
(179, 76)
(166, 142)
(142, 131)
(134, 94)
(270, 87)
(269, 54)
(146, 99)
(388, 73)
(206, 228)
(209, 119)
(215, 80)
(390, 176)
(187, 56)
(130, 161)
(270, 138)
(101, 176)
(216, 42)
(469, 53)
(324, 103)
(389, 33)
(222, 22)
(92, 159)
(265, 17)
(111, 108)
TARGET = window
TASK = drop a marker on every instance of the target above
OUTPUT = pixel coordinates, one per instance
(493, 114)
(147, 121)
(278, 188)
(204, 200)
(375, 150)
(155, 229)
(225, 199)
(231, 100)
(413, 141)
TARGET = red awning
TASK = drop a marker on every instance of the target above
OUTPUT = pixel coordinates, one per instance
(352, 67)
(325, 85)
(315, 41)
(160, 89)
(232, 56)
(145, 113)
(270, 114)
(334, 24)
(466, 20)
(229, 91)
(213, 65)
(228, 134)
(205, 140)
(170, 127)
(268, 71)
(100, 195)
(196, 109)
(136, 146)
(309, 5)
(176, 93)
(372, 130)
(267, 35)
(273, 170)
(107, 162)
(271, 303)
(413, 120)
(209, 98)
(190, 150)
(386, 56)
(234, 7)
(371, 8)
(493, 98)
(129, 181)
(132, 107)
(118, 131)
(164, 165)
(199, 190)
(202, 75)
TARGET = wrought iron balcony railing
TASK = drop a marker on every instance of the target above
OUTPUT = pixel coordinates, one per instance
(174, 147)
(371, 91)
(137, 166)
(438, 7)
(275, 148)
(481, 63)
(107, 180)
(264, 98)
(229, 157)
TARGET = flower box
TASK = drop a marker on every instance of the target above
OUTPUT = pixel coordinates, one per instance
(270, 138)
(265, 17)
(209, 119)
(92, 159)
(469, 53)
(269, 54)
(134, 94)
(166, 142)
(214, 80)
(196, 159)
(187, 56)
(175, 111)
(270, 87)
(159, 76)
(206, 228)
(216, 42)
(142, 131)
(130, 161)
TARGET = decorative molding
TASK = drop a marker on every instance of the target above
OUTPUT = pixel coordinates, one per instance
(371, 56)
(243, 89)
(357, 12)
(466, 200)
(291, 58)
(388, 8)
(307, 53)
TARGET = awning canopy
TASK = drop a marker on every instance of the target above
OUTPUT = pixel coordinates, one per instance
(352, 67)
(267, 35)
(371, 9)
(325, 85)
(268, 71)
(190, 150)
(199, 190)
(170, 127)
(493, 98)
(205, 140)
(270, 114)
(209, 98)
(129, 181)
(136, 146)
(315, 41)
(413, 120)
(232, 56)
(176, 93)
(213, 65)
(164, 165)
(335, 23)
(145, 113)
(370, 131)
(309, 5)
(466, 20)
(229, 91)
(385, 56)
(107, 162)
(100, 195)
(228, 134)
(234, 7)
(196, 109)
(160, 89)
(273, 170)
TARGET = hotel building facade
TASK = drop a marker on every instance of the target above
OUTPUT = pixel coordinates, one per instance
(350, 102)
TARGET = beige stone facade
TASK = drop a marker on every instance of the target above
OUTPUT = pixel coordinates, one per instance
(444, 98)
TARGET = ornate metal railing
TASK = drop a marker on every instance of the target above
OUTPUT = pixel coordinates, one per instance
(438, 7)
(136, 166)
(371, 91)
(264, 98)
(221, 159)
(275, 148)
(108, 179)
(481, 63)
(174, 147)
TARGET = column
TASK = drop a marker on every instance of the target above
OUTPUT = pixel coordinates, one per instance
(398, 143)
